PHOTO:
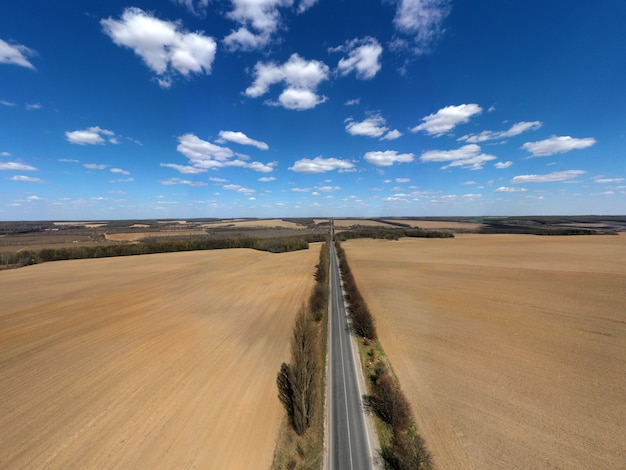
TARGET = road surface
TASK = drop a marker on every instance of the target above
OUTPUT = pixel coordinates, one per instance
(348, 443)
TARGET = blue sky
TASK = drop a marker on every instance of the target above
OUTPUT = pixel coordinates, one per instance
(285, 108)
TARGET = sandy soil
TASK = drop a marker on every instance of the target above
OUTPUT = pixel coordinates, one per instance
(134, 236)
(440, 224)
(511, 348)
(154, 361)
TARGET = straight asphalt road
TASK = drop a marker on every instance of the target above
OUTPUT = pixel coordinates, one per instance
(348, 442)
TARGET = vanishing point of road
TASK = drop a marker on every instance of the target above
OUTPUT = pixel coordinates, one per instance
(348, 440)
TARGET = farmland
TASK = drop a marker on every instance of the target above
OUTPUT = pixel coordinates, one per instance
(158, 361)
(511, 348)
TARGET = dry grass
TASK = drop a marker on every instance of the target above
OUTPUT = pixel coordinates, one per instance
(511, 348)
(262, 223)
(344, 223)
(440, 224)
(157, 361)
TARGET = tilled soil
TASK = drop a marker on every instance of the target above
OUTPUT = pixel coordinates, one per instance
(153, 361)
(510, 348)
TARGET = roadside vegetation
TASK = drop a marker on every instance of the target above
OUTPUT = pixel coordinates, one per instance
(401, 445)
(390, 233)
(300, 382)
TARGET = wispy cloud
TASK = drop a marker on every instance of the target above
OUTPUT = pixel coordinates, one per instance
(363, 58)
(554, 145)
(16, 54)
(556, 176)
(16, 166)
(447, 119)
(422, 21)
(515, 129)
(27, 179)
(469, 156)
(173, 181)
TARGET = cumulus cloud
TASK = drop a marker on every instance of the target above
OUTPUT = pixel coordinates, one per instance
(16, 54)
(392, 135)
(184, 169)
(16, 166)
(555, 144)
(91, 136)
(204, 155)
(556, 176)
(164, 46)
(447, 119)
(266, 179)
(363, 58)
(373, 126)
(321, 165)
(388, 157)
(516, 129)
(243, 139)
(238, 188)
(509, 189)
(120, 171)
(301, 79)
(328, 189)
(422, 20)
(503, 165)
(469, 157)
(26, 179)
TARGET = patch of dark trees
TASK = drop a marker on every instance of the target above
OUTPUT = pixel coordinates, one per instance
(391, 233)
(300, 382)
(505, 228)
(272, 245)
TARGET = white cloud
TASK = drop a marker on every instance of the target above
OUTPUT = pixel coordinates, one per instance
(403, 180)
(392, 135)
(95, 166)
(363, 58)
(218, 180)
(353, 102)
(196, 7)
(261, 167)
(198, 150)
(15, 54)
(173, 181)
(120, 171)
(447, 118)
(258, 20)
(163, 45)
(503, 165)
(16, 166)
(373, 126)
(468, 156)
(300, 76)
(556, 176)
(243, 139)
(27, 179)
(34, 198)
(266, 179)
(516, 129)
(387, 157)
(238, 188)
(91, 136)
(122, 180)
(33, 106)
(7, 103)
(68, 160)
(301, 190)
(5, 154)
(608, 180)
(554, 145)
(421, 19)
(184, 169)
(321, 165)
(328, 189)
(509, 189)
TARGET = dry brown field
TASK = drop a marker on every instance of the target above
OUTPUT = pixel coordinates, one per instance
(344, 223)
(134, 236)
(263, 223)
(152, 361)
(441, 224)
(510, 348)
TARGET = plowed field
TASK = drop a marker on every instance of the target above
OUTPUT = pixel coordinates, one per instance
(154, 361)
(511, 348)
